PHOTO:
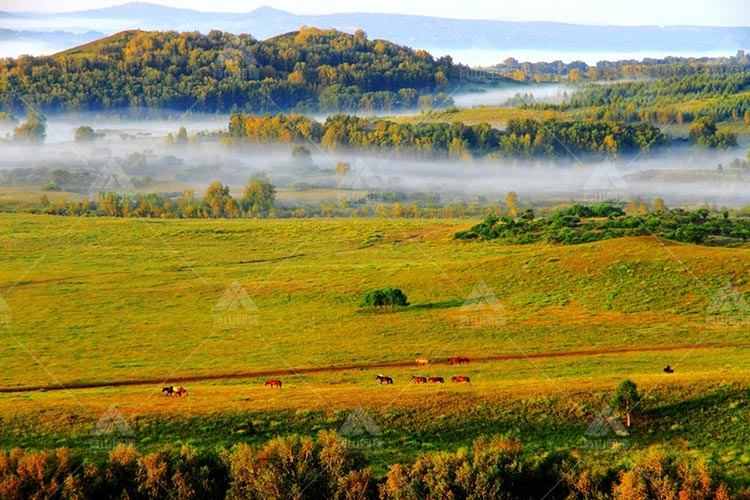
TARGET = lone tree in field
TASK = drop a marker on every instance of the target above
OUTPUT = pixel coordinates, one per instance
(626, 398)
(385, 298)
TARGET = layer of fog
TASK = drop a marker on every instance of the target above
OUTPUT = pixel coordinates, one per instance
(139, 147)
(507, 94)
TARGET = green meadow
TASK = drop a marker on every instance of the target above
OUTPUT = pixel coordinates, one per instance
(112, 310)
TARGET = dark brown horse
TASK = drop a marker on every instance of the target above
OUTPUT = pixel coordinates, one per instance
(435, 380)
(273, 383)
(169, 390)
(419, 380)
(460, 379)
(668, 369)
(383, 379)
(458, 360)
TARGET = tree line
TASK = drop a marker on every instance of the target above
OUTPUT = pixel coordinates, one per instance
(496, 467)
(522, 137)
(584, 224)
(556, 71)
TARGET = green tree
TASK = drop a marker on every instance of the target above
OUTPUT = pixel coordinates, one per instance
(84, 133)
(217, 197)
(182, 136)
(34, 131)
(259, 196)
(386, 298)
(626, 398)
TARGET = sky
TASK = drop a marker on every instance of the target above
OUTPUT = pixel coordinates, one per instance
(621, 12)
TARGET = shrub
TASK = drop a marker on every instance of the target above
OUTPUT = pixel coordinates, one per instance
(386, 297)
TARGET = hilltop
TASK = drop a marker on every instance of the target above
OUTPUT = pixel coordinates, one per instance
(307, 70)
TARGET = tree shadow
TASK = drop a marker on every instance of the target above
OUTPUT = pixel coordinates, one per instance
(448, 304)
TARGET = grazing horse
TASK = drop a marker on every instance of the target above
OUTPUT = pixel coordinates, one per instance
(423, 361)
(169, 390)
(436, 380)
(180, 391)
(419, 380)
(460, 379)
(383, 379)
(458, 360)
(274, 383)
(668, 369)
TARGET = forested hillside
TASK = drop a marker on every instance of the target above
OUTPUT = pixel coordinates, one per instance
(307, 70)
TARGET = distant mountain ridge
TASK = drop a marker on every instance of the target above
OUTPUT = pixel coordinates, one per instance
(433, 33)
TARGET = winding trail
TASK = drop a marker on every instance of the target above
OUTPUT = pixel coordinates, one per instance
(374, 366)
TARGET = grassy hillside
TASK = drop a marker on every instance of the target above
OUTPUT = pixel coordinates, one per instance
(111, 301)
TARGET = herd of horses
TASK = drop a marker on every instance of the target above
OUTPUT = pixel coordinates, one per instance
(458, 360)
(276, 384)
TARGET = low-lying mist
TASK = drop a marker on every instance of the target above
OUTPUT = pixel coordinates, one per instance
(681, 174)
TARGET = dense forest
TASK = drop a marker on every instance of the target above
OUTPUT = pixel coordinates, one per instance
(307, 70)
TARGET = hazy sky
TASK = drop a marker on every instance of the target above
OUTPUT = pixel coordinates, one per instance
(628, 12)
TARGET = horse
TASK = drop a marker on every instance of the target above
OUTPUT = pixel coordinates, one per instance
(419, 380)
(436, 380)
(458, 360)
(460, 379)
(383, 379)
(169, 390)
(453, 361)
(273, 383)
(423, 361)
(668, 369)
(180, 391)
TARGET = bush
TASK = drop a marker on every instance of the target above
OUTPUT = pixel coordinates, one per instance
(386, 297)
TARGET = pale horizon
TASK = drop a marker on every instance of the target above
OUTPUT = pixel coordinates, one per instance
(724, 13)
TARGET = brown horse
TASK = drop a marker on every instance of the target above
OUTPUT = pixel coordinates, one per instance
(422, 361)
(460, 379)
(273, 383)
(419, 380)
(435, 380)
(180, 391)
(169, 390)
(383, 379)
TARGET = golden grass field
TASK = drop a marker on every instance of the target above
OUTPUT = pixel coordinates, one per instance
(101, 302)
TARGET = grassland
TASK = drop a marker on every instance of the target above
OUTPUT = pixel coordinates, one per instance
(109, 301)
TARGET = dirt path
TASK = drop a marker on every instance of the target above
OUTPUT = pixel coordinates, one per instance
(373, 367)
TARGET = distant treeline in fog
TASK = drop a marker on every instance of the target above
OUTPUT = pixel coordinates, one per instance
(522, 138)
